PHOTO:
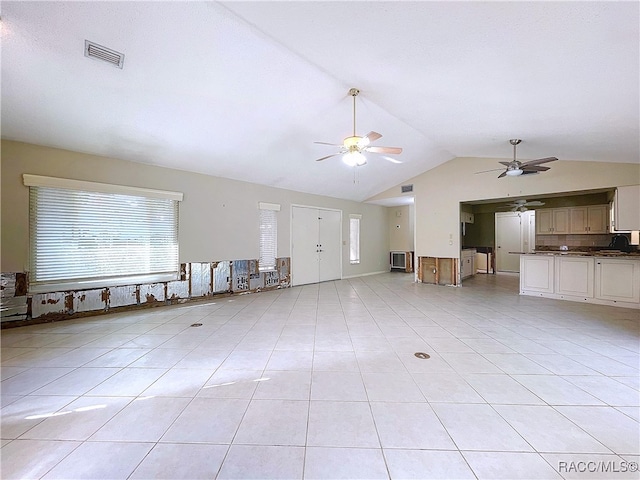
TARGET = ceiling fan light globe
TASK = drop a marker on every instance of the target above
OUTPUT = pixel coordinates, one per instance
(354, 159)
(514, 172)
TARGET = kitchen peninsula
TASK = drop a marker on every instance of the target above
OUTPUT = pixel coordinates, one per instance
(603, 277)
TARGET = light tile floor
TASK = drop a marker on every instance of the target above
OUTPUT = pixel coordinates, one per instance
(321, 381)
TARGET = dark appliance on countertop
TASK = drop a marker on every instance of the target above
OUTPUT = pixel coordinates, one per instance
(620, 242)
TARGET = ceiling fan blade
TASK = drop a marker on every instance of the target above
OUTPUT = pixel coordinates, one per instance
(392, 160)
(372, 136)
(506, 164)
(492, 170)
(535, 203)
(535, 168)
(529, 172)
(328, 156)
(503, 174)
(332, 144)
(390, 150)
(539, 161)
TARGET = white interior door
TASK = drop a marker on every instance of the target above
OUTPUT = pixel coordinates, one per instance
(330, 245)
(316, 253)
(304, 246)
(508, 239)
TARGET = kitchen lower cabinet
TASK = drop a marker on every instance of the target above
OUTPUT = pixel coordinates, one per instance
(468, 263)
(617, 280)
(536, 273)
(574, 276)
(582, 278)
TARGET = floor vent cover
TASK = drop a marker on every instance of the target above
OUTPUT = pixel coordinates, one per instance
(93, 50)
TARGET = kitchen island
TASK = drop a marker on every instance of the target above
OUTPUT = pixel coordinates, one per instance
(604, 277)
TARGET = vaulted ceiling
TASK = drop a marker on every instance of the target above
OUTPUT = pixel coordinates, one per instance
(243, 89)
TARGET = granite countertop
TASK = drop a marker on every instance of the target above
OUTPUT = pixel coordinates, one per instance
(591, 253)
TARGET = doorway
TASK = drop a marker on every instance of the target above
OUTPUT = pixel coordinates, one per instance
(515, 233)
(316, 239)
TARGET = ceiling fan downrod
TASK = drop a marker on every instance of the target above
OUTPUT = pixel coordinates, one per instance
(354, 93)
(514, 142)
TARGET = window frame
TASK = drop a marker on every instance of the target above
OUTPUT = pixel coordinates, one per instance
(65, 190)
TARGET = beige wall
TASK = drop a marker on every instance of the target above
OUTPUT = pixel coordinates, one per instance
(218, 217)
(439, 191)
(400, 228)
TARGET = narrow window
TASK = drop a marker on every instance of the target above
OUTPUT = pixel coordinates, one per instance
(268, 236)
(87, 235)
(354, 238)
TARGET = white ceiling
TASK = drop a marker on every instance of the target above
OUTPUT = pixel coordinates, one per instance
(243, 89)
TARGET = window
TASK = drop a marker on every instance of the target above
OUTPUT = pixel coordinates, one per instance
(354, 238)
(268, 236)
(88, 235)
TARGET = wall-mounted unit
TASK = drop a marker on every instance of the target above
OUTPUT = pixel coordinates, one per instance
(401, 261)
(406, 188)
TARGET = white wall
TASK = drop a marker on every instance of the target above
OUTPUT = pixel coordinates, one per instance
(438, 193)
(400, 220)
(218, 217)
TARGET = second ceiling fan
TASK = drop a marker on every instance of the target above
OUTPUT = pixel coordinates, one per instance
(516, 167)
(353, 148)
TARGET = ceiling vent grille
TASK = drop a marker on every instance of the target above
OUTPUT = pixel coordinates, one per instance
(98, 52)
(407, 188)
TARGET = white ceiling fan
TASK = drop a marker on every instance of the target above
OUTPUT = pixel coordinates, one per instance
(516, 167)
(354, 147)
(521, 205)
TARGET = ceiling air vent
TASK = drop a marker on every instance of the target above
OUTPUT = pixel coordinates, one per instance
(407, 188)
(93, 50)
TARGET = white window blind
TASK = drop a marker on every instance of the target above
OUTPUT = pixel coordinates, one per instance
(268, 236)
(83, 239)
(354, 238)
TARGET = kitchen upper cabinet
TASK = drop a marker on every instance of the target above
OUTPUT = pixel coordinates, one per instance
(627, 208)
(617, 280)
(591, 219)
(466, 217)
(552, 221)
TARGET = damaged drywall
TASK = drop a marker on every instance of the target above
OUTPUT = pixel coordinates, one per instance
(197, 280)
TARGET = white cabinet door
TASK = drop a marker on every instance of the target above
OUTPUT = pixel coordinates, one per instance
(537, 273)
(560, 220)
(467, 268)
(617, 279)
(578, 220)
(544, 221)
(598, 219)
(574, 276)
(627, 208)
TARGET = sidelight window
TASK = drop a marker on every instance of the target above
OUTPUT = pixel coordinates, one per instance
(268, 236)
(354, 238)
